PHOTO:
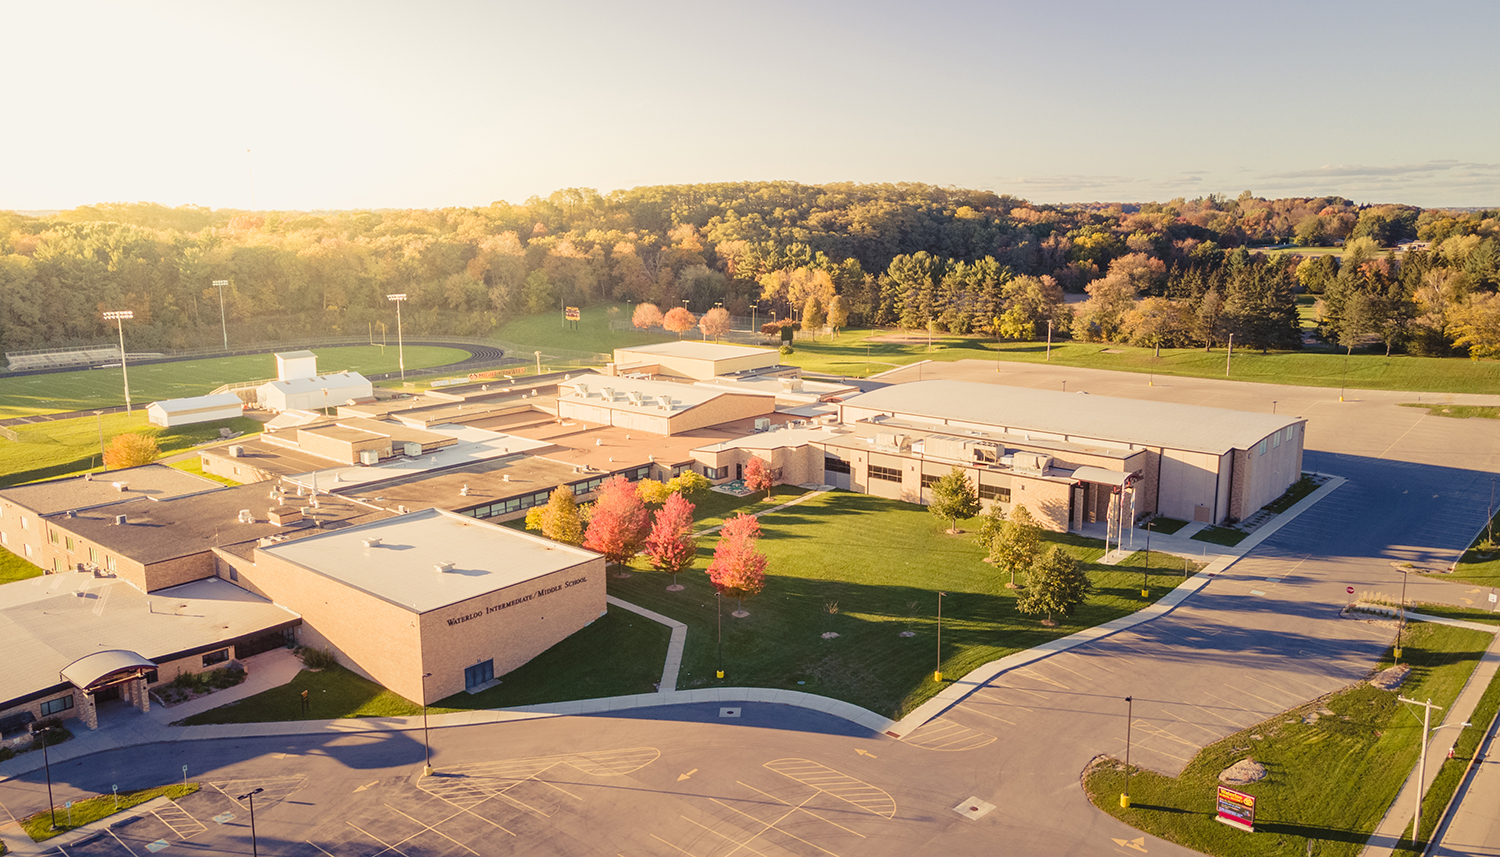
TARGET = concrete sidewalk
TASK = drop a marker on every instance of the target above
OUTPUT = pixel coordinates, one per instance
(1387, 835)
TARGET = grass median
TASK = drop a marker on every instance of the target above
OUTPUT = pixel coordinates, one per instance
(1481, 562)
(1335, 764)
(89, 810)
(48, 450)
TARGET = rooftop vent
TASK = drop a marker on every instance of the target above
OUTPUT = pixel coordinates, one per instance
(443, 566)
(609, 393)
(598, 441)
(371, 542)
(402, 510)
(245, 517)
(236, 451)
(119, 520)
(464, 490)
(121, 486)
(505, 477)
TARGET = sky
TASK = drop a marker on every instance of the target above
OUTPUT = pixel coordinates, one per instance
(331, 105)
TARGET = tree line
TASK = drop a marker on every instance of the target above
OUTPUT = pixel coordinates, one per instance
(909, 255)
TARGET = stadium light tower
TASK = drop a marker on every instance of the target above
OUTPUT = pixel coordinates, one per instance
(400, 348)
(119, 318)
(222, 323)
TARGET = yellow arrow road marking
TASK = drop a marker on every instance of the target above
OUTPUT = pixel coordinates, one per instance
(866, 753)
(1137, 844)
(681, 777)
(365, 786)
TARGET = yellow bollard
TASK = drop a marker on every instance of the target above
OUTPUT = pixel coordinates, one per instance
(1145, 593)
(721, 673)
(937, 675)
(1124, 801)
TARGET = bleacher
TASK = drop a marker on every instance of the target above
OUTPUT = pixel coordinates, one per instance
(50, 358)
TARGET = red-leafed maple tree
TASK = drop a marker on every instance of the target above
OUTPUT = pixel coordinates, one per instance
(620, 523)
(759, 476)
(739, 568)
(671, 546)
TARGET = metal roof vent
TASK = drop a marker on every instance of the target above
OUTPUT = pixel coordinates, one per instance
(464, 490)
(119, 520)
(121, 486)
(371, 542)
(443, 566)
(505, 477)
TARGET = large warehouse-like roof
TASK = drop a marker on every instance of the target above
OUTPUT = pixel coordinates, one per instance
(1076, 417)
(698, 350)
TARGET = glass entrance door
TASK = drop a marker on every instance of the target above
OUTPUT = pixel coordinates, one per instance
(479, 674)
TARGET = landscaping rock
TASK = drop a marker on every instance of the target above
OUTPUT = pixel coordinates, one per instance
(1392, 678)
(1242, 772)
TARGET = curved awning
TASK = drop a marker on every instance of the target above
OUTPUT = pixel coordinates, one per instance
(97, 669)
(1100, 476)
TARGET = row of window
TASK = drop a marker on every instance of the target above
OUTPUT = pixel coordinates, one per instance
(716, 472)
(57, 706)
(835, 465)
(514, 504)
(994, 492)
(885, 474)
(1275, 438)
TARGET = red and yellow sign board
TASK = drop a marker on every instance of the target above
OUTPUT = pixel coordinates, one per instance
(1236, 809)
(571, 314)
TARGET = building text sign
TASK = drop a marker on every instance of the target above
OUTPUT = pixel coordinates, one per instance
(496, 608)
(1236, 809)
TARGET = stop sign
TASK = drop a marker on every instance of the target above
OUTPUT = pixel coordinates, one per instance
(1349, 589)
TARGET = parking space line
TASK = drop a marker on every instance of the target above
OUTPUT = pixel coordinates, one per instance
(805, 810)
(1215, 714)
(729, 839)
(773, 825)
(1032, 673)
(319, 847)
(943, 734)
(435, 830)
(377, 839)
(670, 845)
(128, 849)
(174, 809)
(970, 709)
(848, 789)
(559, 788)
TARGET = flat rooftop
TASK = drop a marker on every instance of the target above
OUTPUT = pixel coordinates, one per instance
(402, 569)
(698, 350)
(474, 445)
(45, 624)
(1075, 417)
(487, 482)
(590, 391)
(593, 445)
(155, 531)
(157, 481)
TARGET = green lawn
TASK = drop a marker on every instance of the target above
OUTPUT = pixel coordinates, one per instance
(881, 563)
(332, 693)
(13, 568)
(1226, 536)
(1166, 526)
(63, 447)
(592, 334)
(194, 466)
(89, 810)
(100, 388)
(1459, 412)
(1330, 780)
(1481, 562)
(847, 355)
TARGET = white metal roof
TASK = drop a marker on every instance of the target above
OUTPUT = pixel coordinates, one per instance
(339, 381)
(652, 393)
(402, 569)
(698, 350)
(93, 667)
(198, 403)
(1077, 418)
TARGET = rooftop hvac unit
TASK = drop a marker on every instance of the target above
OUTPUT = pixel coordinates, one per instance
(443, 566)
(245, 517)
(121, 486)
(371, 542)
(1034, 463)
(504, 477)
(414, 450)
(463, 491)
(762, 424)
(609, 393)
(583, 389)
(369, 456)
(236, 451)
(402, 510)
(635, 397)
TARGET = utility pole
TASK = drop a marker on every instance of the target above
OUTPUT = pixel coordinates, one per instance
(1229, 357)
(222, 323)
(400, 344)
(119, 317)
(1427, 707)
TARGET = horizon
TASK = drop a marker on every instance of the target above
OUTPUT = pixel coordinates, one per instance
(380, 106)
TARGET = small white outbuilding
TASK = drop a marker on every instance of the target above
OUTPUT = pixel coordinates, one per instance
(194, 409)
(310, 394)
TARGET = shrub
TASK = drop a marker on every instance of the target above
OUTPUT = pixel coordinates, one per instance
(315, 658)
(786, 349)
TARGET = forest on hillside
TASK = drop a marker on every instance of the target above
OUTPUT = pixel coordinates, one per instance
(1179, 273)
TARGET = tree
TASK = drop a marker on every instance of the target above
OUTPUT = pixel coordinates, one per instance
(679, 321)
(838, 314)
(1155, 322)
(646, 316)
(1016, 547)
(652, 492)
(991, 525)
(1476, 326)
(1054, 584)
(759, 476)
(559, 519)
(131, 450)
(688, 483)
(715, 323)
(739, 568)
(671, 546)
(953, 497)
(814, 315)
(619, 524)
(539, 293)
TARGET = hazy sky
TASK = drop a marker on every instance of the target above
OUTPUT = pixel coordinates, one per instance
(390, 105)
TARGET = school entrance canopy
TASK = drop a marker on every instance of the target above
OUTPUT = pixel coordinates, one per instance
(99, 669)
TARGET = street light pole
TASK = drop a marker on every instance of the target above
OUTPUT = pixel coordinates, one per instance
(99, 418)
(1401, 620)
(426, 742)
(400, 345)
(1129, 716)
(119, 317)
(937, 674)
(254, 847)
(222, 323)
(47, 763)
(719, 604)
(1427, 707)
(753, 328)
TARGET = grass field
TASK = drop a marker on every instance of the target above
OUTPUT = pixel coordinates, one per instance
(1331, 776)
(879, 563)
(1457, 412)
(1481, 562)
(13, 568)
(593, 333)
(62, 447)
(331, 693)
(23, 395)
(90, 810)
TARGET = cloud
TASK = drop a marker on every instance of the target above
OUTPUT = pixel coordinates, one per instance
(1329, 171)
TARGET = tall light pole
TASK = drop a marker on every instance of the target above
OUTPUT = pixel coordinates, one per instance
(719, 605)
(250, 796)
(99, 418)
(1129, 716)
(426, 742)
(1229, 357)
(47, 763)
(119, 317)
(753, 328)
(222, 323)
(937, 674)
(1416, 822)
(400, 346)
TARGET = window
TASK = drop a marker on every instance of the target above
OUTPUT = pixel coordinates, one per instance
(1276, 439)
(1262, 447)
(52, 536)
(929, 480)
(218, 657)
(57, 706)
(56, 565)
(887, 474)
(109, 563)
(234, 573)
(994, 492)
(637, 474)
(94, 555)
(27, 549)
(24, 524)
(679, 469)
(151, 677)
(4, 539)
(68, 543)
(581, 488)
(835, 465)
(716, 473)
(479, 674)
